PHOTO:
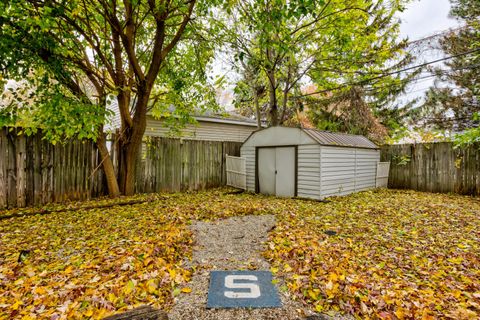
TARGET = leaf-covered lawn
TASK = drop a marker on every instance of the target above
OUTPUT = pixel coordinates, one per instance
(90, 263)
(396, 254)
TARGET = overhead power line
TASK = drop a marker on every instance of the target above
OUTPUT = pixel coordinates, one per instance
(389, 73)
(432, 36)
(426, 77)
(409, 43)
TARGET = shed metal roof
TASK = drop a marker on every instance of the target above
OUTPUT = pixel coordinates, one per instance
(340, 139)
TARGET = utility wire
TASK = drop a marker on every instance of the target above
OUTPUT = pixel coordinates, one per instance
(451, 30)
(409, 43)
(388, 74)
(417, 80)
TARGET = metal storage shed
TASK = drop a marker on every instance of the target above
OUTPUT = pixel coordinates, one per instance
(308, 163)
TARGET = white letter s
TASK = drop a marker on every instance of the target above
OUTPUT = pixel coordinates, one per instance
(230, 283)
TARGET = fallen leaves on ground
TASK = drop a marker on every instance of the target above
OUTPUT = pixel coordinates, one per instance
(78, 205)
(91, 263)
(395, 255)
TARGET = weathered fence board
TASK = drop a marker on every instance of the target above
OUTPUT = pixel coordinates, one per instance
(236, 172)
(179, 165)
(434, 167)
(35, 172)
(3, 169)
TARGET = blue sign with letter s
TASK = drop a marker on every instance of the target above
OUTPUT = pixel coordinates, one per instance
(242, 289)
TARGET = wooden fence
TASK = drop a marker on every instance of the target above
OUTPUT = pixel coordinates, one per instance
(35, 172)
(236, 172)
(434, 167)
(180, 165)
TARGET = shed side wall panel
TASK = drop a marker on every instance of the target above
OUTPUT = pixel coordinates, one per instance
(308, 171)
(366, 168)
(249, 154)
(337, 171)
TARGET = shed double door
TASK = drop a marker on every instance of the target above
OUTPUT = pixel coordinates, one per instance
(276, 171)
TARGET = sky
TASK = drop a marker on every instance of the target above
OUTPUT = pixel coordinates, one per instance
(423, 18)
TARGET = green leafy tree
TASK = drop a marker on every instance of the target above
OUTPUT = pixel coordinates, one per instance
(93, 51)
(250, 90)
(359, 90)
(324, 42)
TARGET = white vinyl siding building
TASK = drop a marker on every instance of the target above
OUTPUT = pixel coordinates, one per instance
(206, 128)
(309, 163)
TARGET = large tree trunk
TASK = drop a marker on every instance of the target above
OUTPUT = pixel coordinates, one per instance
(122, 160)
(272, 103)
(131, 156)
(257, 110)
(130, 148)
(284, 106)
(108, 169)
(286, 90)
(131, 143)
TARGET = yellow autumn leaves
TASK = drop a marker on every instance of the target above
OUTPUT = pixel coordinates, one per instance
(395, 255)
(95, 262)
(89, 264)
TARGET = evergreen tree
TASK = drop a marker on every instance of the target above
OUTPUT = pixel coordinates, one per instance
(454, 99)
